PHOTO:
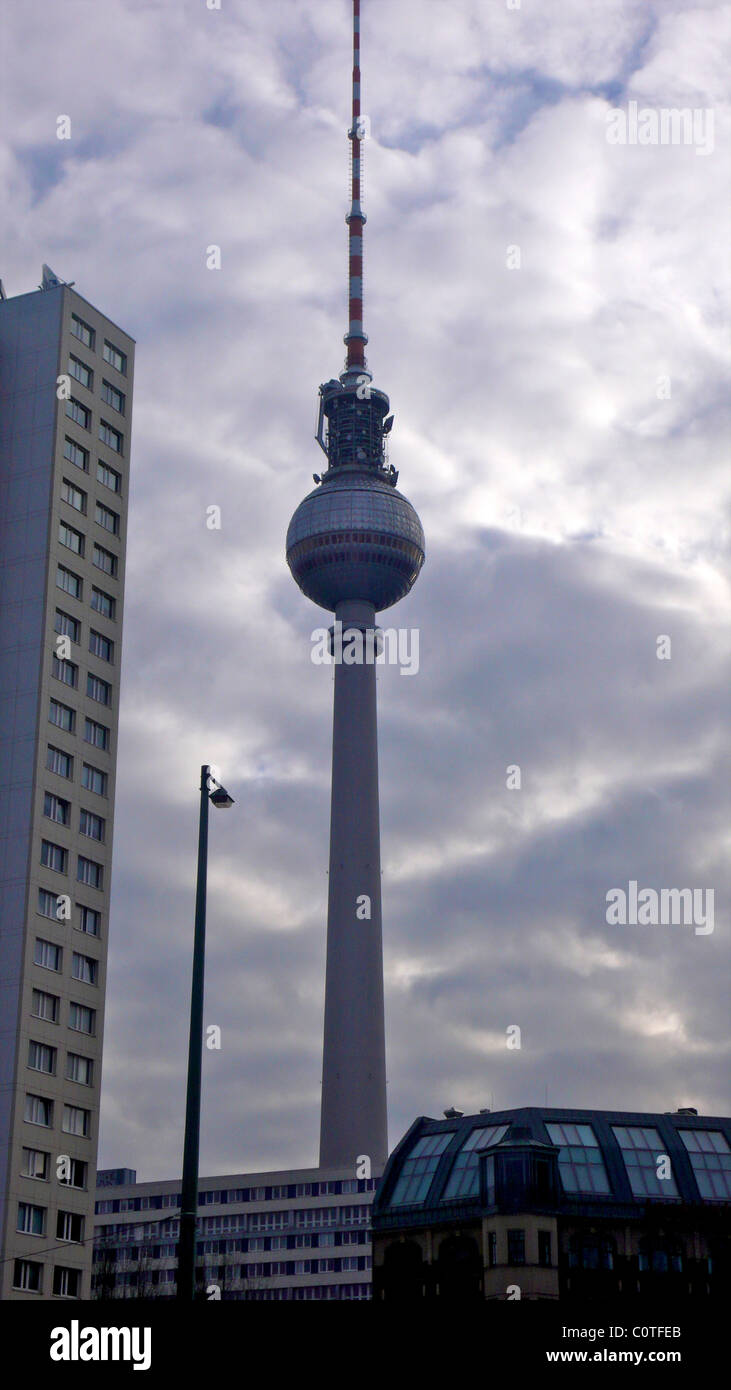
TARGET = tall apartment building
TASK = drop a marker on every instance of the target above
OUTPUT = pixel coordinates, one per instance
(65, 420)
(286, 1236)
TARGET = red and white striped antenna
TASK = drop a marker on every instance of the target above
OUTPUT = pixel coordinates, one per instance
(355, 338)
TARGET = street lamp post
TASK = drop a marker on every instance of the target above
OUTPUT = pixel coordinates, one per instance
(189, 1200)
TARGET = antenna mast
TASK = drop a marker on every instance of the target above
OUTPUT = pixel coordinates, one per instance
(355, 339)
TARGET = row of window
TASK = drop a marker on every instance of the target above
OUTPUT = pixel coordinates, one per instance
(96, 687)
(78, 499)
(516, 1248)
(47, 1006)
(75, 540)
(110, 394)
(42, 1057)
(98, 735)
(74, 1120)
(32, 1222)
(57, 907)
(310, 1241)
(260, 1269)
(71, 583)
(50, 956)
(580, 1162)
(87, 335)
(223, 1196)
(37, 1165)
(68, 626)
(88, 871)
(241, 1221)
(81, 415)
(57, 809)
(80, 457)
(28, 1277)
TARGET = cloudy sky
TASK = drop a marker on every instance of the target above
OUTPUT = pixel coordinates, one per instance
(561, 429)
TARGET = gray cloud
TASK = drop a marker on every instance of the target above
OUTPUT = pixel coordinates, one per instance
(572, 515)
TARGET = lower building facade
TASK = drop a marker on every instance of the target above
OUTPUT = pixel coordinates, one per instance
(555, 1204)
(297, 1235)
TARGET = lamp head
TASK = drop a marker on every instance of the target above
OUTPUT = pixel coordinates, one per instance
(221, 799)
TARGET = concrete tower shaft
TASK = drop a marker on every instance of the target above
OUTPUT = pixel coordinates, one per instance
(353, 1115)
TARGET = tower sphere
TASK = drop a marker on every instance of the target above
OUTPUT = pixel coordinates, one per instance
(355, 537)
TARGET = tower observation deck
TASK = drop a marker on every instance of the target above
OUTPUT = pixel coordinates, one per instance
(355, 546)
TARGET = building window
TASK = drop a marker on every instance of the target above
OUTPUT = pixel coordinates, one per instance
(90, 921)
(72, 539)
(62, 716)
(84, 968)
(73, 496)
(114, 357)
(93, 779)
(80, 372)
(419, 1168)
(104, 516)
(27, 1275)
(516, 1247)
(544, 1249)
(82, 1019)
(56, 809)
(660, 1256)
(66, 625)
(79, 1068)
(82, 331)
(76, 453)
(76, 1121)
(69, 582)
(104, 560)
(78, 413)
(109, 436)
(45, 1006)
(66, 1282)
(101, 646)
(590, 1252)
(112, 396)
(65, 671)
(53, 856)
(89, 872)
(41, 1057)
(492, 1249)
(641, 1148)
(99, 690)
(580, 1162)
(710, 1159)
(69, 1226)
(102, 603)
(92, 825)
(47, 904)
(38, 1111)
(35, 1164)
(47, 954)
(108, 476)
(77, 1174)
(59, 762)
(464, 1178)
(96, 734)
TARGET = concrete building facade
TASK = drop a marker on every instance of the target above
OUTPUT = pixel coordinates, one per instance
(287, 1236)
(66, 377)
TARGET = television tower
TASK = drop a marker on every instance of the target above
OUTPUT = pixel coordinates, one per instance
(355, 546)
